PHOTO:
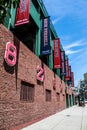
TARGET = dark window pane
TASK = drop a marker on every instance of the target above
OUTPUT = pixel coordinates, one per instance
(27, 92)
(58, 96)
(48, 95)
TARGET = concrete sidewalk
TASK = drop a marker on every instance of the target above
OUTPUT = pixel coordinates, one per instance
(74, 118)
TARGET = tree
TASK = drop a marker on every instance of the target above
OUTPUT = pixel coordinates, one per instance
(4, 6)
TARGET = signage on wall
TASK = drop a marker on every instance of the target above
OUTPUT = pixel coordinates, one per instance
(70, 72)
(45, 48)
(54, 83)
(22, 13)
(67, 70)
(40, 73)
(61, 89)
(57, 60)
(72, 78)
(10, 54)
(63, 70)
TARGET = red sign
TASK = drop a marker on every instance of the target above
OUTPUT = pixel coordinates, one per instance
(54, 83)
(72, 79)
(67, 70)
(22, 14)
(63, 70)
(57, 60)
(10, 54)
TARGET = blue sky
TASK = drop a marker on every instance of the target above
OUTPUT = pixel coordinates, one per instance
(69, 18)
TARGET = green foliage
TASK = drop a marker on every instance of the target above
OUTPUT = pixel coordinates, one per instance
(4, 6)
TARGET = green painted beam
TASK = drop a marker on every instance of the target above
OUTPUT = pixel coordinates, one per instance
(38, 39)
(51, 55)
(9, 21)
(35, 15)
(42, 7)
(53, 30)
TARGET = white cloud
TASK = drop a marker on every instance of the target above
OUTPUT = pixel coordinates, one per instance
(55, 21)
(68, 52)
(76, 44)
(81, 58)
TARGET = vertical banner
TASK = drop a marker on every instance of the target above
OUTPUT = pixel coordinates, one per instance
(67, 70)
(72, 79)
(22, 13)
(57, 55)
(63, 69)
(70, 83)
(45, 47)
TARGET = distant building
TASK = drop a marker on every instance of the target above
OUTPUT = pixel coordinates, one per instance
(82, 85)
(85, 79)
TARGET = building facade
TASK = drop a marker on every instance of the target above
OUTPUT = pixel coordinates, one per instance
(30, 87)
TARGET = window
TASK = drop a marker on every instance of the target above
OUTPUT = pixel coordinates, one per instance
(27, 92)
(27, 34)
(48, 95)
(58, 97)
(63, 97)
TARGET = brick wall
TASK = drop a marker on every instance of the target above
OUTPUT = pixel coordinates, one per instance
(13, 111)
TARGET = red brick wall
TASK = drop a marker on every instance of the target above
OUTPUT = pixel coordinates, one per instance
(13, 111)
